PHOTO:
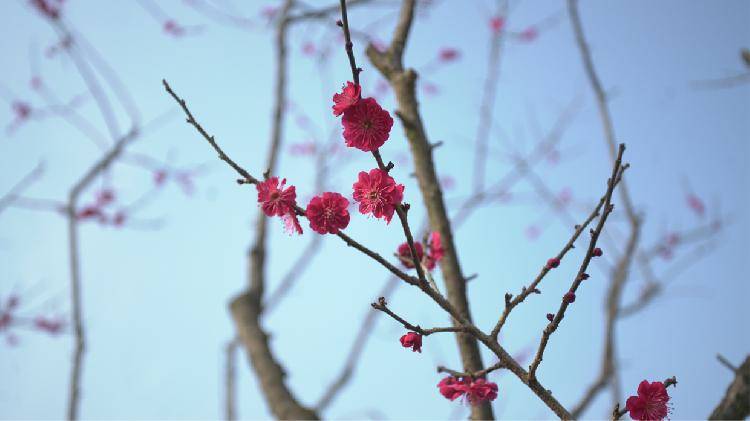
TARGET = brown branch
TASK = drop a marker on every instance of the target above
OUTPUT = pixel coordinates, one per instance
(230, 385)
(481, 373)
(401, 209)
(348, 43)
(544, 394)
(608, 208)
(324, 12)
(382, 305)
(617, 413)
(735, 404)
(465, 210)
(511, 302)
(249, 179)
(210, 139)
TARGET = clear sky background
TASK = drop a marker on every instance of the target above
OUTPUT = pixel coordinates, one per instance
(155, 292)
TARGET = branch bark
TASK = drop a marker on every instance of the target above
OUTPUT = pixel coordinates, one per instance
(735, 405)
(390, 64)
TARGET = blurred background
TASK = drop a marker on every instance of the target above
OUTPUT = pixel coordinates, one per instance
(164, 230)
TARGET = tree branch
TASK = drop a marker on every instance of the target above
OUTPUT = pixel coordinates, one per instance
(382, 305)
(735, 404)
(608, 208)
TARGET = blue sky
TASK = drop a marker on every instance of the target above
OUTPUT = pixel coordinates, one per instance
(155, 295)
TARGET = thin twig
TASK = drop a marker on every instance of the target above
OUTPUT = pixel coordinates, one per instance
(481, 373)
(608, 208)
(18, 188)
(382, 305)
(511, 302)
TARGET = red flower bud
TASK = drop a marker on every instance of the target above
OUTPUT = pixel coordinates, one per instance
(550, 317)
(597, 252)
(553, 263)
(569, 297)
(412, 340)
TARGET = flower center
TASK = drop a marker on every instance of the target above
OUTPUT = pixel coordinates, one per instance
(367, 124)
(274, 195)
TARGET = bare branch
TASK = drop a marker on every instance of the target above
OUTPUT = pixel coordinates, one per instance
(382, 305)
(476, 374)
(510, 302)
(608, 208)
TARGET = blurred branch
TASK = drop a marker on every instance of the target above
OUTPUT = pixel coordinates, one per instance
(325, 11)
(355, 352)
(76, 300)
(13, 194)
(622, 267)
(295, 271)
(487, 105)
(735, 404)
(230, 375)
(480, 373)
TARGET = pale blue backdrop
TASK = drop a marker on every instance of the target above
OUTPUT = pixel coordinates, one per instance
(155, 298)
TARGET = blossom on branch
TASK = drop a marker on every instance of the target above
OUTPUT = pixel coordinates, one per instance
(429, 260)
(328, 213)
(481, 390)
(276, 200)
(404, 254)
(650, 403)
(366, 125)
(451, 388)
(377, 193)
(436, 247)
(569, 297)
(412, 340)
(497, 23)
(476, 391)
(349, 96)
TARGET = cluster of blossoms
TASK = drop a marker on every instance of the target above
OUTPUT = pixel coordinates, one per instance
(475, 391)
(429, 260)
(98, 209)
(366, 127)
(8, 317)
(650, 403)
